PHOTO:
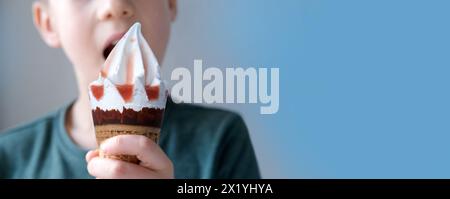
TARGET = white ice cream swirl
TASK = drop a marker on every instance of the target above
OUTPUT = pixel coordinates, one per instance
(132, 66)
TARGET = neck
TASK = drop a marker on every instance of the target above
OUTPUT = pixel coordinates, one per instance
(79, 122)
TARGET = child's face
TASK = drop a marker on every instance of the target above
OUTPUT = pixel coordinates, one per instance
(87, 29)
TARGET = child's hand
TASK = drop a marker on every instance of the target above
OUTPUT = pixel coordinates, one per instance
(154, 162)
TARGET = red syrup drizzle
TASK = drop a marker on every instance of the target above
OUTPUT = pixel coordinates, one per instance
(126, 91)
(152, 92)
(97, 91)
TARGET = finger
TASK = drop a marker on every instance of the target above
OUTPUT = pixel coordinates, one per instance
(91, 154)
(146, 150)
(106, 168)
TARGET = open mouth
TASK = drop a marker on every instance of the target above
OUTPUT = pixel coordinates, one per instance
(111, 43)
(109, 49)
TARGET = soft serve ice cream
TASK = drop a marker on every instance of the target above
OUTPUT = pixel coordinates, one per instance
(128, 97)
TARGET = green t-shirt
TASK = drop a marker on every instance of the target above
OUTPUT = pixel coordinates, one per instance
(201, 142)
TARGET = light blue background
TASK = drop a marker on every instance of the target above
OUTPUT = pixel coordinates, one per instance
(363, 86)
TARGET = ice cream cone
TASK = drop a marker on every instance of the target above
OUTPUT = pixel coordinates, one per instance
(129, 97)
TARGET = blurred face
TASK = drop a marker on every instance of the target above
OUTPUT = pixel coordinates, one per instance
(87, 30)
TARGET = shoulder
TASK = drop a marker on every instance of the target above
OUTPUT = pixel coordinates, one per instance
(220, 138)
(27, 129)
(25, 136)
(21, 145)
(206, 119)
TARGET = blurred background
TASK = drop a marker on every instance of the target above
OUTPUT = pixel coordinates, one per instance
(364, 87)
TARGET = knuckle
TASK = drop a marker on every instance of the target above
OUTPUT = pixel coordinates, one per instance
(118, 140)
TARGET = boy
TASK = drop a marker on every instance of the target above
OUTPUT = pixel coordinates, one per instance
(195, 142)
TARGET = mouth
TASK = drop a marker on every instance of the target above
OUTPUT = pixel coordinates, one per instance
(111, 43)
(108, 49)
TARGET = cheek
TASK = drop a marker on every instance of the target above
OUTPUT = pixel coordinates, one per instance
(156, 23)
(158, 36)
(78, 43)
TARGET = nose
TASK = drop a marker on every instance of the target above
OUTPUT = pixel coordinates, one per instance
(110, 9)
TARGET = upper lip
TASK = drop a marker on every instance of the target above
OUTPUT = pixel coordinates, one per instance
(114, 37)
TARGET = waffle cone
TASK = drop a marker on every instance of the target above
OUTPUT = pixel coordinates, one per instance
(103, 132)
